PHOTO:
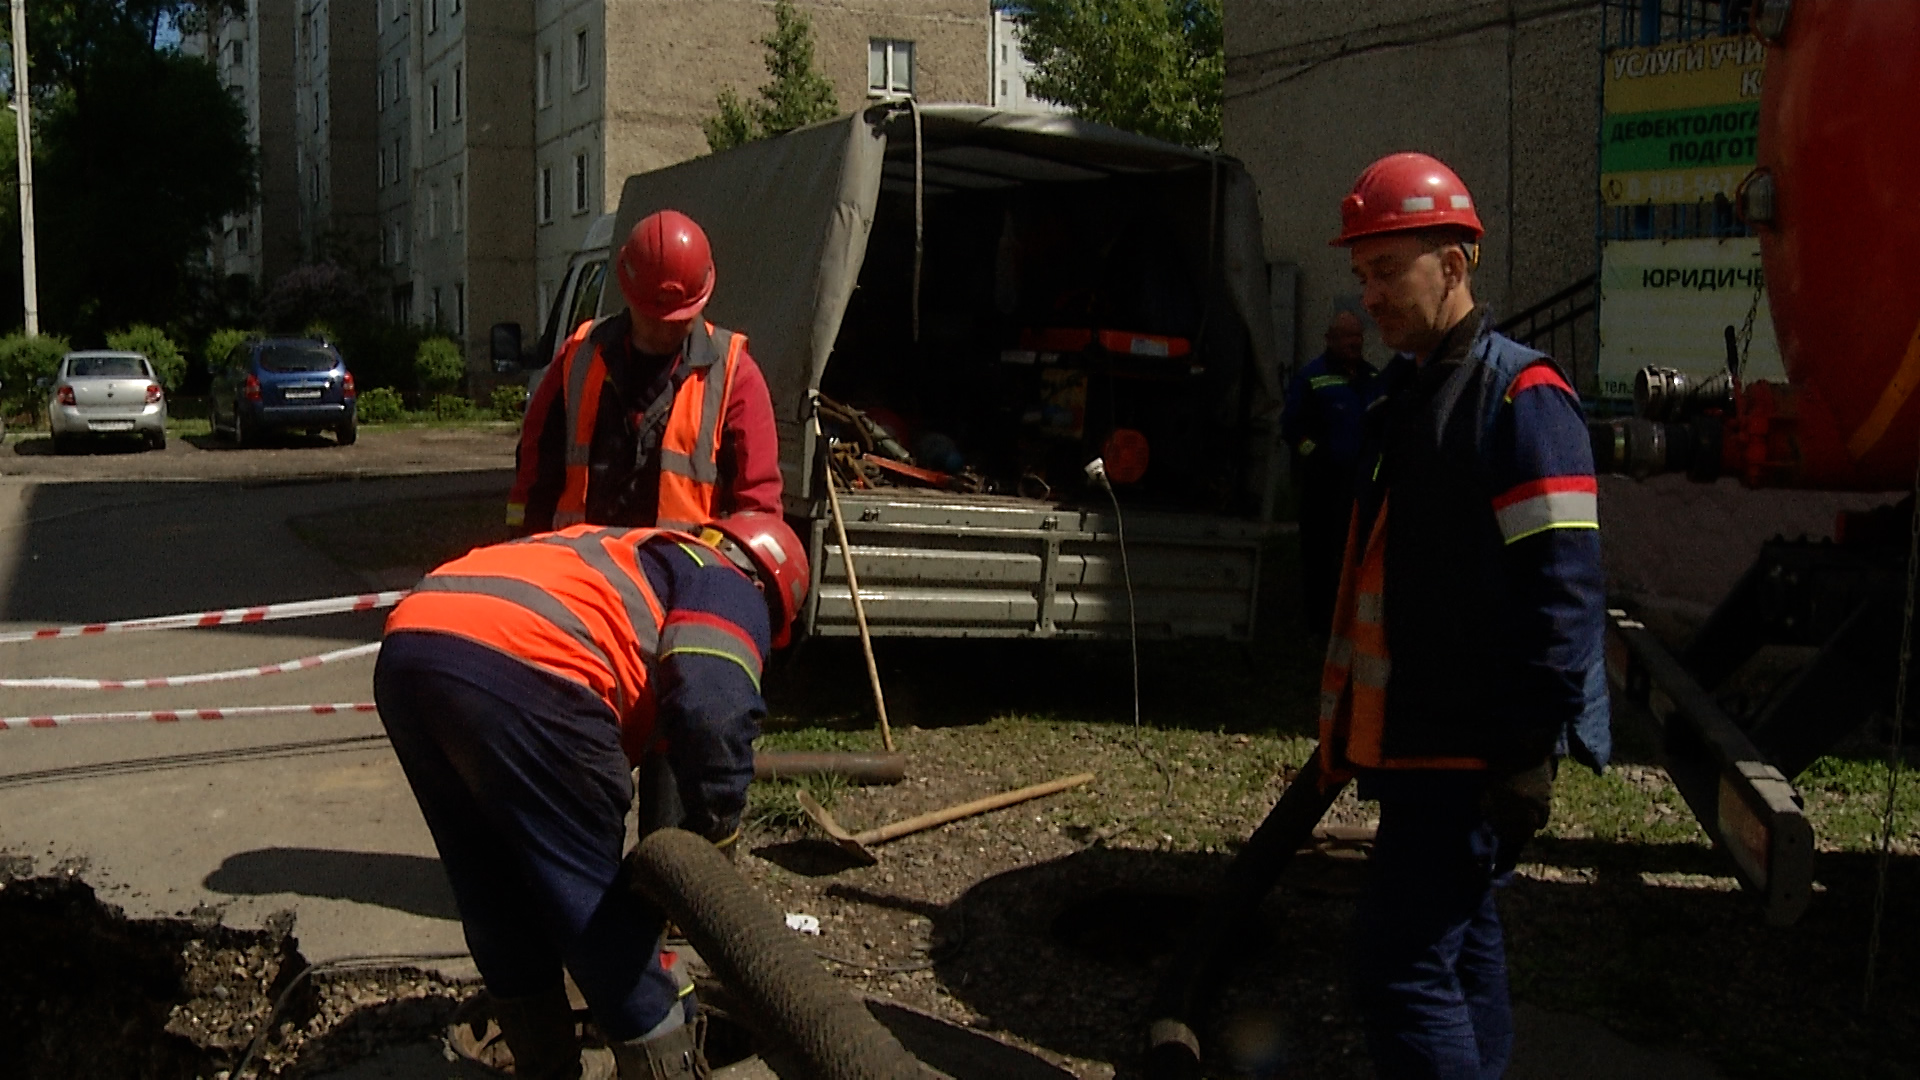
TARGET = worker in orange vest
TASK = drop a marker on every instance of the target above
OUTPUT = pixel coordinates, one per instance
(1466, 652)
(520, 684)
(652, 416)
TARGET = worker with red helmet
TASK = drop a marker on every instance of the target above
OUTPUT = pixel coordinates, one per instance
(652, 416)
(1465, 657)
(520, 684)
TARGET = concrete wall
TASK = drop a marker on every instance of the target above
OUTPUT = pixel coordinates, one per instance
(439, 234)
(351, 125)
(398, 74)
(500, 173)
(277, 232)
(1506, 92)
(569, 121)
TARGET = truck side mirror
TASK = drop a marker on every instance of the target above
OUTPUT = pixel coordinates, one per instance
(505, 348)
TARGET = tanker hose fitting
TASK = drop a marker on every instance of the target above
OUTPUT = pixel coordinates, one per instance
(1641, 448)
(1665, 394)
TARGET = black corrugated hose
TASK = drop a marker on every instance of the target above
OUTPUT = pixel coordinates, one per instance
(788, 998)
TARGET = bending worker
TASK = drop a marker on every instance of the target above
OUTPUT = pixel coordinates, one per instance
(1326, 402)
(1466, 648)
(519, 685)
(652, 416)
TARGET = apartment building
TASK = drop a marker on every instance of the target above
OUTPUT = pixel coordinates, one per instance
(254, 57)
(1009, 69)
(468, 145)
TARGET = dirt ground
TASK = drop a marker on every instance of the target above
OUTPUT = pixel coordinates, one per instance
(382, 450)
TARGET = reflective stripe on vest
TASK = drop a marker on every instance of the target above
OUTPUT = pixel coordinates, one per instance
(689, 447)
(574, 603)
(1353, 682)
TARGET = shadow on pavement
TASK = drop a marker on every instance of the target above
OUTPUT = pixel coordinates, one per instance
(105, 445)
(414, 884)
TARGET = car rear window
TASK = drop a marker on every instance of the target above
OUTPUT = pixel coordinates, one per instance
(106, 367)
(297, 358)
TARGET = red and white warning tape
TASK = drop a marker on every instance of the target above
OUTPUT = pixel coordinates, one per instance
(63, 682)
(165, 716)
(298, 609)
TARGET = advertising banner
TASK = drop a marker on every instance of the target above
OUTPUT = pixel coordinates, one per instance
(1682, 120)
(1667, 303)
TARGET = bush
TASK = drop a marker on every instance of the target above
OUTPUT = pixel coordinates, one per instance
(439, 365)
(379, 353)
(450, 407)
(154, 344)
(321, 330)
(508, 402)
(220, 345)
(23, 362)
(380, 405)
(324, 290)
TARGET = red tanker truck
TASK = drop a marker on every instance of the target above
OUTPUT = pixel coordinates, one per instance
(1835, 199)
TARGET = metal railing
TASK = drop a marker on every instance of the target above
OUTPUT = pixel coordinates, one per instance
(1564, 326)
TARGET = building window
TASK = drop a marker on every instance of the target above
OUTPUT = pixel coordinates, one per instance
(306, 32)
(379, 89)
(394, 240)
(544, 87)
(433, 307)
(456, 7)
(237, 53)
(579, 183)
(240, 236)
(459, 90)
(399, 80)
(433, 15)
(433, 213)
(313, 182)
(382, 182)
(459, 300)
(316, 108)
(889, 67)
(433, 107)
(546, 195)
(580, 56)
(459, 201)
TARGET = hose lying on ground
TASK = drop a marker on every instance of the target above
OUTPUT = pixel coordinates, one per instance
(788, 998)
(1203, 964)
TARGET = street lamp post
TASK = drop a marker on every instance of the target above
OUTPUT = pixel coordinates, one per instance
(23, 133)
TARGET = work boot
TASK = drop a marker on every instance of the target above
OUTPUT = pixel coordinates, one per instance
(674, 1055)
(540, 1033)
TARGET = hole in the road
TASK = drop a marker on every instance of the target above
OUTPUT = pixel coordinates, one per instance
(1125, 925)
(89, 992)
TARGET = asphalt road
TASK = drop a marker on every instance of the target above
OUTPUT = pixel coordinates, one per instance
(248, 816)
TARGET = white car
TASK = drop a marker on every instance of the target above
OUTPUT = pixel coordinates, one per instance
(106, 393)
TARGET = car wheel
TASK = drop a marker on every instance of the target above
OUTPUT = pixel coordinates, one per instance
(63, 444)
(241, 435)
(156, 440)
(347, 432)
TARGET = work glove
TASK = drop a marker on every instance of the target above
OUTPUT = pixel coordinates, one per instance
(1517, 804)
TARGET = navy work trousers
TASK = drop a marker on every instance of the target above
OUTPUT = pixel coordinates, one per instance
(1432, 966)
(522, 780)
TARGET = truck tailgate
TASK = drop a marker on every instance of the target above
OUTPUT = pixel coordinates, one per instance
(933, 564)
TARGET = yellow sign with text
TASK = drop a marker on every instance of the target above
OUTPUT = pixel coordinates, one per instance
(1684, 75)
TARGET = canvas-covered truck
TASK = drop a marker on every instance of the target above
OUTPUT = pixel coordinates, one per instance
(957, 309)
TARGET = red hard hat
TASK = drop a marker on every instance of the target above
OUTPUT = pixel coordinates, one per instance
(779, 562)
(1403, 192)
(666, 267)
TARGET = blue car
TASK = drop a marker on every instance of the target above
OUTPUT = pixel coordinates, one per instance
(283, 384)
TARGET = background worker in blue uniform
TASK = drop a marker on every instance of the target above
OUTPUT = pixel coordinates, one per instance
(1465, 654)
(519, 684)
(1326, 402)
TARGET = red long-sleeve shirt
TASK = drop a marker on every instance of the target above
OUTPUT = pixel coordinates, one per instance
(623, 486)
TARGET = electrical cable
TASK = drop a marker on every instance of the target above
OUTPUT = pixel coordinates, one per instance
(340, 963)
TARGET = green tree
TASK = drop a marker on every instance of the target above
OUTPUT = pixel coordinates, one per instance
(220, 345)
(1156, 67)
(24, 361)
(795, 95)
(153, 343)
(439, 366)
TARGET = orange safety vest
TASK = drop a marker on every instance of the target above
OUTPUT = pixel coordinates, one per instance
(1353, 681)
(689, 447)
(574, 603)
